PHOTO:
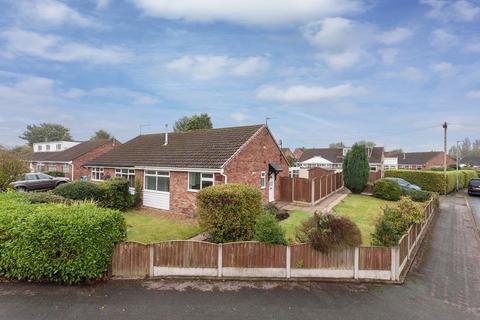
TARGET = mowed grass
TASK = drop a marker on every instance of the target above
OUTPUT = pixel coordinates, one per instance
(294, 221)
(363, 211)
(148, 228)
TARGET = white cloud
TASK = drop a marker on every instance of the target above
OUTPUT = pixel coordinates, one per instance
(307, 94)
(394, 36)
(210, 66)
(473, 46)
(474, 94)
(113, 93)
(461, 10)
(444, 69)
(408, 73)
(103, 4)
(21, 42)
(55, 13)
(249, 12)
(443, 39)
(240, 116)
(388, 55)
(343, 59)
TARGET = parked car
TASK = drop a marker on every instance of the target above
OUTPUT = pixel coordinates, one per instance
(37, 181)
(474, 187)
(404, 184)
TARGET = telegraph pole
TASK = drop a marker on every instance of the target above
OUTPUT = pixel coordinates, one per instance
(445, 127)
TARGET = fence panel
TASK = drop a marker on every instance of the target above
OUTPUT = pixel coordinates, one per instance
(286, 189)
(130, 260)
(403, 249)
(303, 190)
(186, 254)
(375, 258)
(318, 185)
(324, 186)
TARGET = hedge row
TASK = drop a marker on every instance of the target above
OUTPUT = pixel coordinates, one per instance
(434, 180)
(55, 242)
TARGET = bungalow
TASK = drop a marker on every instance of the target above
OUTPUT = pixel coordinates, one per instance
(67, 157)
(173, 167)
(421, 160)
(332, 158)
(471, 161)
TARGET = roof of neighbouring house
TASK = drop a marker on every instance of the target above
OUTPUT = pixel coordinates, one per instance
(471, 160)
(335, 155)
(206, 148)
(68, 154)
(419, 158)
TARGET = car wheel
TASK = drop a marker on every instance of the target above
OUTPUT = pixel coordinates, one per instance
(21, 189)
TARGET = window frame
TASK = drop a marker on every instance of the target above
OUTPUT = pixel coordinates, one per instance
(127, 175)
(47, 147)
(100, 171)
(66, 168)
(156, 174)
(263, 179)
(40, 165)
(52, 167)
(39, 147)
(202, 179)
(58, 146)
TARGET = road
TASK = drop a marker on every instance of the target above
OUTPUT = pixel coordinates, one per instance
(444, 284)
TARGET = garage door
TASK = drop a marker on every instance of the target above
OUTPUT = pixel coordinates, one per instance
(156, 191)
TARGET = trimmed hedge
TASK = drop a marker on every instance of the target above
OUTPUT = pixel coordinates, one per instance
(55, 173)
(46, 197)
(433, 180)
(116, 194)
(418, 196)
(387, 190)
(228, 212)
(80, 190)
(54, 242)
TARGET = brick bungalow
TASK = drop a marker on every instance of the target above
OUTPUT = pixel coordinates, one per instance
(422, 160)
(71, 160)
(173, 167)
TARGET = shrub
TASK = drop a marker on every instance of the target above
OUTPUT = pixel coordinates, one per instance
(80, 190)
(228, 212)
(428, 180)
(395, 221)
(55, 173)
(136, 198)
(328, 231)
(417, 196)
(356, 169)
(279, 214)
(116, 194)
(66, 244)
(268, 230)
(387, 190)
(45, 197)
(11, 166)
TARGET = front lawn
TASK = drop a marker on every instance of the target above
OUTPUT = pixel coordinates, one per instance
(149, 228)
(363, 211)
(291, 224)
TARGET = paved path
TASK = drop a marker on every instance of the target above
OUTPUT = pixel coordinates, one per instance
(444, 284)
(324, 206)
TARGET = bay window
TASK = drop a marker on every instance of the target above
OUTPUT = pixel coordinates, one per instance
(197, 180)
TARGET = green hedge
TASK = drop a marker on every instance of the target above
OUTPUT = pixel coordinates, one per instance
(387, 190)
(433, 180)
(54, 242)
(228, 212)
(80, 190)
(55, 173)
(116, 194)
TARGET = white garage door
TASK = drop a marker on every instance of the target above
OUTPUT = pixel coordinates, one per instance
(156, 191)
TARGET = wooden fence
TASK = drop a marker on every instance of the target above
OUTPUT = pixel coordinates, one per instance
(310, 191)
(259, 260)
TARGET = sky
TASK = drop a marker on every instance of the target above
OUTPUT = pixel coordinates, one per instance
(323, 70)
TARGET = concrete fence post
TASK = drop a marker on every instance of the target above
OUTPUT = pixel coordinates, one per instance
(395, 263)
(220, 260)
(289, 262)
(356, 263)
(151, 257)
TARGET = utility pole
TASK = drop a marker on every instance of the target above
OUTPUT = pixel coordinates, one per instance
(445, 127)
(458, 156)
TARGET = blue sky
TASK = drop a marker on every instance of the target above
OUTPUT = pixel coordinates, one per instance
(324, 70)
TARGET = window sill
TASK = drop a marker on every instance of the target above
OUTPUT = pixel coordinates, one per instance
(193, 190)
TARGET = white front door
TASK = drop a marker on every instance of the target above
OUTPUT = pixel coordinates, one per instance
(271, 188)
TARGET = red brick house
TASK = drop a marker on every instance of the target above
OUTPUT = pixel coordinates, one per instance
(422, 160)
(173, 167)
(71, 160)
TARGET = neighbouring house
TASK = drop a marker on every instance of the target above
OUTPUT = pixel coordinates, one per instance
(173, 167)
(421, 160)
(470, 161)
(309, 173)
(298, 153)
(332, 158)
(69, 158)
(288, 153)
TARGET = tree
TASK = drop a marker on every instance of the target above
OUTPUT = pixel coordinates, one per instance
(21, 149)
(195, 122)
(367, 144)
(11, 166)
(290, 161)
(101, 135)
(356, 169)
(46, 132)
(336, 145)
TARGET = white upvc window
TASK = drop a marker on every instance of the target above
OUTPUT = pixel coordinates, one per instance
(128, 174)
(157, 181)
(263, 180)
(40, 167)
(52, 167)
(39, 147)
(198, 180)
(59, 146)
(47, 147)
(66, 168)
(373, 169)
(97, 174)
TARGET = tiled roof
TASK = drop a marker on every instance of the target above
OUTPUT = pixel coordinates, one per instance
(69, 154)
(471, 160)
(209, 149)
(419, 158)
(335, 155)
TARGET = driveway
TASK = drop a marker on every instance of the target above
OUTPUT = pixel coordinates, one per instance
(443, 284)
(475, 205)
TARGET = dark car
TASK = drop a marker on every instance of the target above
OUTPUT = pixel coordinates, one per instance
(404, 184)
(474, 187)
(37, 181)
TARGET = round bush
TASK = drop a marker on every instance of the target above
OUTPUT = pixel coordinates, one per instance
(116, 194)
(267, 230)
(417, 196)
(80, 190)
(229, 212)
(327, 232)
(387, 190)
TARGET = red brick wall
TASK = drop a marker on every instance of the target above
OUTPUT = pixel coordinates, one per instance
(79, 170)
(437, 161)
(246, 166)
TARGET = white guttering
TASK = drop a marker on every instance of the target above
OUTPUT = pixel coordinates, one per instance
(204, 170)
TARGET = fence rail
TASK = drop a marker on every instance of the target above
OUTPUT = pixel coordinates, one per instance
(255, 260)
(310, 191)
